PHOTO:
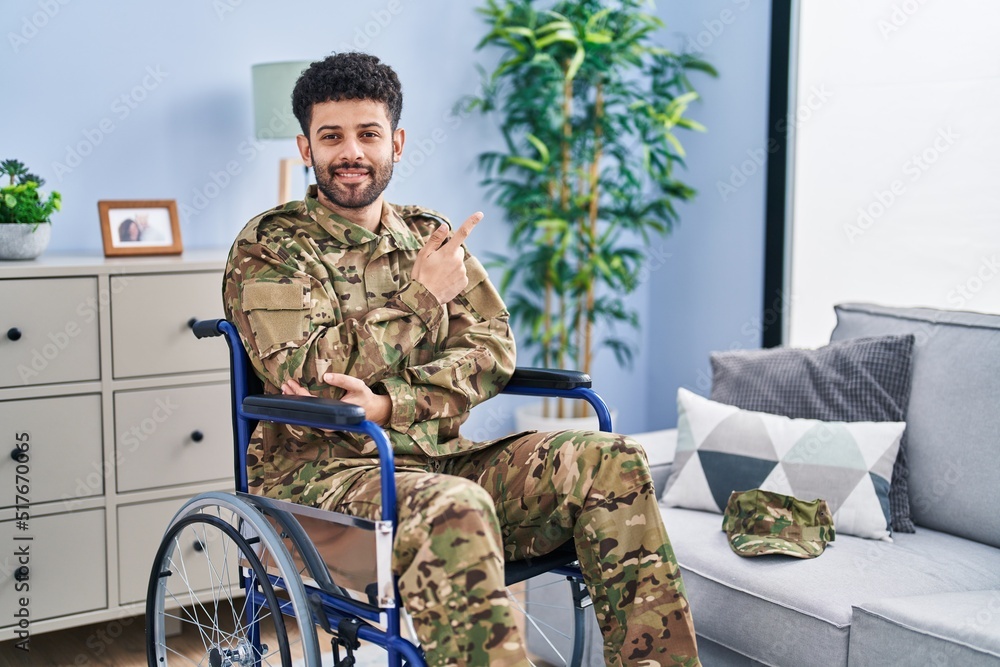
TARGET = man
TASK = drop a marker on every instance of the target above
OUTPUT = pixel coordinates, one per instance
(344, 295)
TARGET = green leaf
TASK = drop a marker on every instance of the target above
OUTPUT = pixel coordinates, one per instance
(575, 63)
(552, 224)
(701, 66)
(520, 47)
(558, 22)
(527, 33)
(689, 124)
(672, 140)
(596, 18)
(603, 37)
(527, 163)
(543, 150)
(562, 36)
(10, 200)
(679, 104)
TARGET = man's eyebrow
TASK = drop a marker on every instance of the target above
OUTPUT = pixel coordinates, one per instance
(373, 123)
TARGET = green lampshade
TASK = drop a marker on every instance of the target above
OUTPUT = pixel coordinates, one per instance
(272, 99)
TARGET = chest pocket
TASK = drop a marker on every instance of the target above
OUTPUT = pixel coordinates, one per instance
(278, 313)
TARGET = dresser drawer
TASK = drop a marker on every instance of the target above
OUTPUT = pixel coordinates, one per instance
(66, 566)
(140, 531)
(64, 456)
(149, 323)
(176, 435)
(48, 331)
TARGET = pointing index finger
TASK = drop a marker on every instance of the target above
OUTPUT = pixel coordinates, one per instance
(463, 232)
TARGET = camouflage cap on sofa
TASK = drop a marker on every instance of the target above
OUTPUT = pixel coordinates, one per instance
(763, 522)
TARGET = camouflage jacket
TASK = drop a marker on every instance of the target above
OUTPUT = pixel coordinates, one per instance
(311, 293)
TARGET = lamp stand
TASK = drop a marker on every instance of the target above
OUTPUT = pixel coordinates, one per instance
(285, 178)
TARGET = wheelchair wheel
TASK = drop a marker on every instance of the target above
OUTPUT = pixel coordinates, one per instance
(551, 613)
(222, 574)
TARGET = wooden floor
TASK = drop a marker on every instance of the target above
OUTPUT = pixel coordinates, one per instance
(120, 643)
(86, 646)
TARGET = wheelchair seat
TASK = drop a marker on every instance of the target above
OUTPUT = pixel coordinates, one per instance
(516, 571)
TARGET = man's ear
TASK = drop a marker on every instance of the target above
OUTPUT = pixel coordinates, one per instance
(305, 150)
(398, 139)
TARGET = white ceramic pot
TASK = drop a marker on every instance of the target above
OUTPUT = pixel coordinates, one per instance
(529, 418)
(19, 241)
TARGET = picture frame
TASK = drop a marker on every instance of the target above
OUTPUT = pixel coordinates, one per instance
(140, 227)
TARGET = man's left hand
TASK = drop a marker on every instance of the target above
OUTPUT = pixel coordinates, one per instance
(378, 408)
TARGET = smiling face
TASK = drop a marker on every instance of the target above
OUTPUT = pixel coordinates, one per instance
(352, 148)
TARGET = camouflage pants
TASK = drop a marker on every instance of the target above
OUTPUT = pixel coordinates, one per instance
(520, 498)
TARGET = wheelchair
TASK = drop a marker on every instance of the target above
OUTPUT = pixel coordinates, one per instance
(257, 578)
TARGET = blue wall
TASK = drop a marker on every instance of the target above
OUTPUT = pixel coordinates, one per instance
(708, 294)
(184, 72)
(153, 101)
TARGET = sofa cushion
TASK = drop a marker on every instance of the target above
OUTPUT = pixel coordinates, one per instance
(722, 449)
(867, 379)
(953, 420)
(782, 611)
(943, 629)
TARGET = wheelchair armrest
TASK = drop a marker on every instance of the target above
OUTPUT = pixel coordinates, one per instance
(548, 378)
(318, 412)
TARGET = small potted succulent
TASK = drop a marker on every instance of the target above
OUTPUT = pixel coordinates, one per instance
(25, 227)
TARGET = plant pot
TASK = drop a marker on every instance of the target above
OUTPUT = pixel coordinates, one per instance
(19, 241)
(529, 418)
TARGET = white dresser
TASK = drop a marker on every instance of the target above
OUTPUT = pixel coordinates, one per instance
(126, 415)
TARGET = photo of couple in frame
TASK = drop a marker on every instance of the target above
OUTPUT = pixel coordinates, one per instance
(147, 227)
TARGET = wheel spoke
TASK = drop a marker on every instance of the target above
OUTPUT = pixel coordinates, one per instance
(206, 552)
(535, 625)
(191, 594)
(180, 655)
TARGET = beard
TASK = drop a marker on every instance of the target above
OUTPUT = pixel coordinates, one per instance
(351, 195)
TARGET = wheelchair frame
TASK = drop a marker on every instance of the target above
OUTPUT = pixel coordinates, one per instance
(340, 613)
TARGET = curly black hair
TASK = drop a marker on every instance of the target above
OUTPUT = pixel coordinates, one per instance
(347, 76)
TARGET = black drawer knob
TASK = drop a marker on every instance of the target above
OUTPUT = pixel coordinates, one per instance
(197, 436)
(18, 455)
(198, 546)
(14, 333)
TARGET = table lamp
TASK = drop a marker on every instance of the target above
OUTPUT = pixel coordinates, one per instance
(272, 113)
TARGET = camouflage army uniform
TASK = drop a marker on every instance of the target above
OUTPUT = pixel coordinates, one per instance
(312, 293)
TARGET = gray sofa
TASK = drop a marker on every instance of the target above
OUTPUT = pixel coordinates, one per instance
(928, 598)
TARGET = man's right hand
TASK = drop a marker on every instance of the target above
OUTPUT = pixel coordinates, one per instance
(441, 268)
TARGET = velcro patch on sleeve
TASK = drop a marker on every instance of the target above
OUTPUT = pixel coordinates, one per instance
(259, 295)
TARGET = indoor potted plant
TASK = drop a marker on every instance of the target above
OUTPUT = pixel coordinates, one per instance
(25, 227)
(588, 106)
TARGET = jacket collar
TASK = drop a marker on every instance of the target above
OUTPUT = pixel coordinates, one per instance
(348, 234)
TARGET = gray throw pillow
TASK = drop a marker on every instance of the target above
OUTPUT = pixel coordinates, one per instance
(862, 379)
